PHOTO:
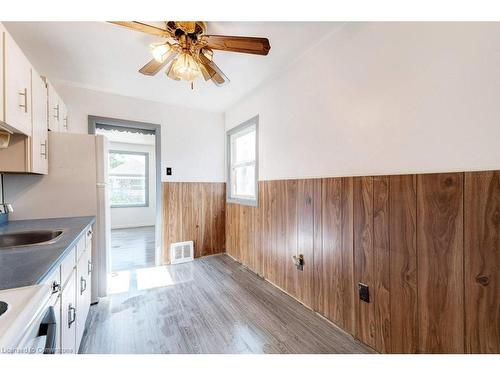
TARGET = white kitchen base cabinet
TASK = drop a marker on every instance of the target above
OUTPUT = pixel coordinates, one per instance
(76, 281)
(83, 273)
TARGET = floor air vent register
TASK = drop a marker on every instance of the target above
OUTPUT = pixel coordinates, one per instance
(181, 252)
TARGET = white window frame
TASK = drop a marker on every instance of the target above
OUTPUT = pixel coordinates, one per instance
(249, 201)
(146, 176)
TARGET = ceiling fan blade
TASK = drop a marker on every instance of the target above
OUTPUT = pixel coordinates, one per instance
(242, 44)
(213, 71)
(154, 66)
(170, 73)
(144, 27)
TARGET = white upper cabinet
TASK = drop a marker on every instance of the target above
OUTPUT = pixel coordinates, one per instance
(54, 110)
(63, 124)
(17, 87)
(40, 134)
(29, 107)
(58, 114)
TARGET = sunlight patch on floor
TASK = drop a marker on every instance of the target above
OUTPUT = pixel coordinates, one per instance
(118, 282)
(153, 277)
(149, 278)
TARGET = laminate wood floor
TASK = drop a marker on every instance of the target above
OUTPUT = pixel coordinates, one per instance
(210, 305)
(132, 248)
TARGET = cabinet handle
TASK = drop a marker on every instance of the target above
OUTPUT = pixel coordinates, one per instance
(65, 123)
(56, 116)
(89, 267)
(44, 153)
(56, 287)
(25, 105)
(83, 285)
(71, 316)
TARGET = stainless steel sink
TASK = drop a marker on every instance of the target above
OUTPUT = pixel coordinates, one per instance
(34, 237)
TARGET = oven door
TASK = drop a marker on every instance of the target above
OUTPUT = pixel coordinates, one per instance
(41, 337)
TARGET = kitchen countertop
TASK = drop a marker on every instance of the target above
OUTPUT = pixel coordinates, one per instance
(29, 265)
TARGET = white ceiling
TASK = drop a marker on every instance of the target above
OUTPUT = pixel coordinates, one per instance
(106, 57)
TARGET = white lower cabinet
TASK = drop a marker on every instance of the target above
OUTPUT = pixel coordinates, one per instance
(68, 316)
(74, 305)
(83, 273)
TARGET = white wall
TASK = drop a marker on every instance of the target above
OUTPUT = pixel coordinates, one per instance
(382, 98)
(68, 190)
(192, 141)
(129, 217)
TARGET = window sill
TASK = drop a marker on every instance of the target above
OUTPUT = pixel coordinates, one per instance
(131, 206)
(244, 202)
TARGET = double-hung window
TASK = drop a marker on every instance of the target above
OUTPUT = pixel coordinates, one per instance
(242, 163)
(128, 179)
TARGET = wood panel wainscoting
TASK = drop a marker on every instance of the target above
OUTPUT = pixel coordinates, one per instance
(427, 246)
(194, 211)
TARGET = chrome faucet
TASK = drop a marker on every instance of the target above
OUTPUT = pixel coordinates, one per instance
(5, 208)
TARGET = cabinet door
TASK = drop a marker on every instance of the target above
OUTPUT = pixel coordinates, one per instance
(68, 316)
(17, 87)
(54, 111)
(63, 114)
(39, 141)
(83, 293)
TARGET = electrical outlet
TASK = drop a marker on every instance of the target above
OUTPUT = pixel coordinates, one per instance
(169, 171)
(364, 293)
(298, 261)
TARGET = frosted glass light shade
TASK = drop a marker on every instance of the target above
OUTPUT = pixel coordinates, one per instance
(160, 51)
(185, 67)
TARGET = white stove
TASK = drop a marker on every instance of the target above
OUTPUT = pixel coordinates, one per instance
(21, 312)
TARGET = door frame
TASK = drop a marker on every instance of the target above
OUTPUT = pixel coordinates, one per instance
(120, 123)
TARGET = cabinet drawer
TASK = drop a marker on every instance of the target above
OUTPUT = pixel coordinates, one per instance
(68, 265)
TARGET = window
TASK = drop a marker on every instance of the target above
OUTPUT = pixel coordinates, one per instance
(128, 179)
(242, 163)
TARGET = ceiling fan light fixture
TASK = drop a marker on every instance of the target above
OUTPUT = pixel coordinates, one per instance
(160, 51)
(187, 51)
(185, 67)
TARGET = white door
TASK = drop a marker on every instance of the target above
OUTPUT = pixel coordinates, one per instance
(17, 87)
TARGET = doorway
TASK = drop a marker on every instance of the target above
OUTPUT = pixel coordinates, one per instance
(133, 184)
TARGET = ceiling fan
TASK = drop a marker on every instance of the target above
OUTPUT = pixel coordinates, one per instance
(187, 52)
